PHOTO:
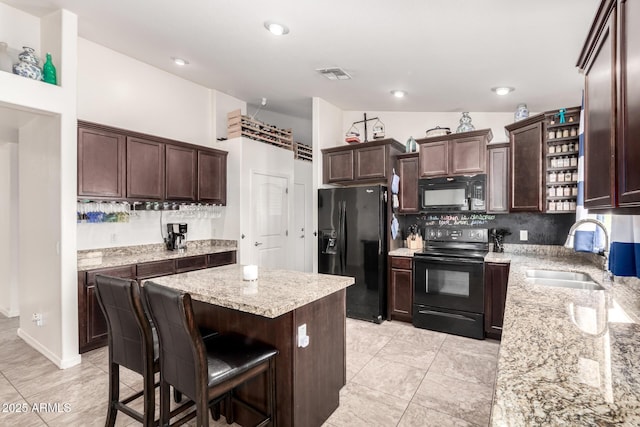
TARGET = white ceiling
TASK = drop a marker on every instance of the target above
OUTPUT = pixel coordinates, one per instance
(447, 54)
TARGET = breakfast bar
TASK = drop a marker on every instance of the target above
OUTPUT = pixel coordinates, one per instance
(276, 308)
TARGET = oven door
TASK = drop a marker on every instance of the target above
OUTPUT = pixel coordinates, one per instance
(449, 282)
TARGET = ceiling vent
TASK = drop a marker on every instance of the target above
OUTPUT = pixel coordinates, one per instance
(334, 73)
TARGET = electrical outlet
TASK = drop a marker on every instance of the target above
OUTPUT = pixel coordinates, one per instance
(114, 237)
(524, 235)
(303, 338)
(37, 319)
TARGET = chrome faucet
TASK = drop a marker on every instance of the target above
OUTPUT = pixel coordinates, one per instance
(570, 237)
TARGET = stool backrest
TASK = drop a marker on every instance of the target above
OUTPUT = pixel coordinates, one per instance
(129, 330)
(182, 351)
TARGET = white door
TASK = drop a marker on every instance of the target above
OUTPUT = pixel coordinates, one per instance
(269, 219)
(299, 233)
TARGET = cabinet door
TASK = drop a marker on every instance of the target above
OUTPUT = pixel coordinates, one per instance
(498, 179)
(495, 283)
(371, 163)
(628, 154)
(401, 288)
(434, 159)
(101, 163)
(180, 170)
(92, 326)
(221, 258)
(526, 169)
(408, 172)
(338, 167)
(212, 176)
(599, 126)
(467, 156)
(145, 169)
(191, 263)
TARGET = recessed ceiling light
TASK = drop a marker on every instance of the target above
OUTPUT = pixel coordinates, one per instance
(276, 28)
(179, 61)
(398, 93)
(502, 91)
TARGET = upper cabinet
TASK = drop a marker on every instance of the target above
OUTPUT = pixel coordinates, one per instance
(454, 154)
(367, 163)
(612, 113)
(498, 178)
(115, 164)
(145, 169)
(525, 139)
(101, 163)
(180, 173)
(408, 169)
(212, 176)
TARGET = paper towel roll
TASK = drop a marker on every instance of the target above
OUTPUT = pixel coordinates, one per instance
(250, 272)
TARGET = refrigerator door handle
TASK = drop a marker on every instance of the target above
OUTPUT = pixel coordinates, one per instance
(344, 237)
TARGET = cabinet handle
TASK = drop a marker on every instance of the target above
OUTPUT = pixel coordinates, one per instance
(257, 244)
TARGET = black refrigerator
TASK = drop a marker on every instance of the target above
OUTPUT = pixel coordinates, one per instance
(352, 225)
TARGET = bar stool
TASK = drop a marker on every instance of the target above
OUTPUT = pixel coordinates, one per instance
(133, 344)
(206, 372)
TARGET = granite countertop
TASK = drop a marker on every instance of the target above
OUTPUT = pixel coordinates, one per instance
(567, 356)
(115, 257)
(275, 293)
(404, 252)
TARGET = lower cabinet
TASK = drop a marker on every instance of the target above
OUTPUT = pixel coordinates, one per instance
(92, 326)
(400, 288)
(495, 296)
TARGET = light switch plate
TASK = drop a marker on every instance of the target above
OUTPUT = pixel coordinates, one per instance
(524, 235)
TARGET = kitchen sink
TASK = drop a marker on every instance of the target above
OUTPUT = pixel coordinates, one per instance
(562, 279)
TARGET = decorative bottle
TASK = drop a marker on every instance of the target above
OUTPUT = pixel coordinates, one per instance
(49, 71)
(522, 112)
(465, 123)
(5, 60)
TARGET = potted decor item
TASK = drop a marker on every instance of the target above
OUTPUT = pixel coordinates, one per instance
(28, 65)
(522, 112)
(465, 123)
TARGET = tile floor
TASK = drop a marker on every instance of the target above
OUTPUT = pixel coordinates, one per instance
(397, 375)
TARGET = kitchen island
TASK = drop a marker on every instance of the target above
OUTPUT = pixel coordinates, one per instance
(271, 309)
(567, 356)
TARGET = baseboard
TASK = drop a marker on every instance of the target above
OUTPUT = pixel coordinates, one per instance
(9, 313)
(60, 363)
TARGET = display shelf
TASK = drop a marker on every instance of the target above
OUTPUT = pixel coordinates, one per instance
(563, 139)
(562, 154)
(240, 125)
(302, 152)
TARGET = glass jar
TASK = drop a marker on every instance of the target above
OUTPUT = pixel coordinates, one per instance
(568, 176)
(560, 177)
(566, 162)
(559, 192)
(554, 162)
(566, 205)
(574, 176)
(565, 147)
(574, 132)
(551, 135)
(551, 192)
(566, 191)
(553, 177)
(572, 205)
(552, 149)
(572, 147)
(565, 133)
(552, 205)
(574, 190)
(573, 161)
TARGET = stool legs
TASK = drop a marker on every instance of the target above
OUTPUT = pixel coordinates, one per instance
(114, 393)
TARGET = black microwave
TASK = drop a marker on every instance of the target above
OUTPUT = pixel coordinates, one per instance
(451, 194)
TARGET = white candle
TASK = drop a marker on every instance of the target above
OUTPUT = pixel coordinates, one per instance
(250, 272)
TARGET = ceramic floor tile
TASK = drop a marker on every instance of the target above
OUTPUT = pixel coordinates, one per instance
(465, 366)
(366, 342)
(461, 399)
(416, 354)
(470, 345)
(387, 329)
(419, 416)
(421, 336)
(390, 377)
(355, 362)
(361, 406)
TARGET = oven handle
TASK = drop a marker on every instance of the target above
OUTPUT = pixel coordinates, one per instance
(440, 313)
(449, 260)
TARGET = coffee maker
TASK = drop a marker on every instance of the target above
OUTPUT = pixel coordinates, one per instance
(176, 237)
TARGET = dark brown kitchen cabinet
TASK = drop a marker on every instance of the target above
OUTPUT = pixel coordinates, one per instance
(400, 288)
(366, 163)
(212, 176)
(496, 276)
(101, 163)
(148, 270)
(408, 173)
(526, 164)
(191, 263)
(92, 326)
(180, 172)
(145, 169)
(498, 178)
(221, 258)
(609, 60)
(454, 154)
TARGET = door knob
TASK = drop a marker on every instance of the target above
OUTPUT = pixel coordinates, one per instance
(302, 237)
(257, 244)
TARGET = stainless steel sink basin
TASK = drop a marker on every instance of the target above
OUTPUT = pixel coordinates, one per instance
(562, 279)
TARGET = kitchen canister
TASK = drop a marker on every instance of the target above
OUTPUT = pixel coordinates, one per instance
(522, 112)
(28, 65)
(552, 149)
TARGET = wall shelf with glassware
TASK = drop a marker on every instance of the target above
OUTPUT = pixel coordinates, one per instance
(241, 125)
(561, 160)
(302, 152)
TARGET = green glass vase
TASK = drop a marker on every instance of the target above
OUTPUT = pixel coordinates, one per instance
(49, 71)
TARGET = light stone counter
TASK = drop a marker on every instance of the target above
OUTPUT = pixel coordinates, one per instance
(276, 292)
(404, 252)
(567, 356)
(127, 255)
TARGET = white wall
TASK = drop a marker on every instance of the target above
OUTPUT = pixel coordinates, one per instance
(303, 174)
(223, 105)
(401, 125)
(9, 303)
(19, 29)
